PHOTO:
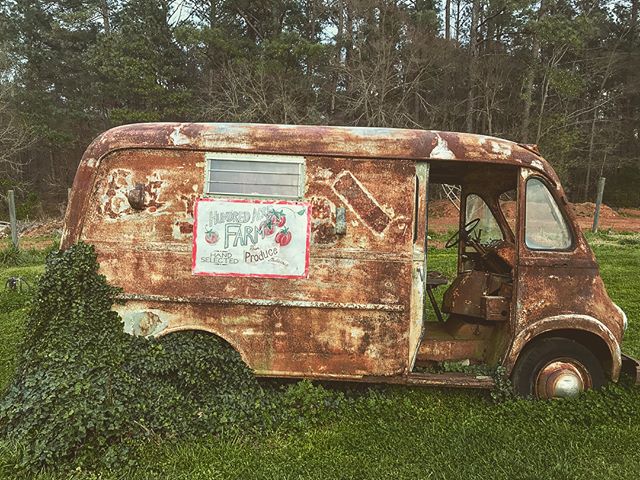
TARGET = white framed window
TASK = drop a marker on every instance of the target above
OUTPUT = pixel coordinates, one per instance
(254, 175)
(545, 226)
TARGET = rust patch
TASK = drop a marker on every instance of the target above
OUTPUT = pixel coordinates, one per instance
(323, 234)
(185, 227)
(362, 202)
(120, 182)
(323, 221)
(189, 202)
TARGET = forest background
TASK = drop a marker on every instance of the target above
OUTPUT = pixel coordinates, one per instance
(563, 74)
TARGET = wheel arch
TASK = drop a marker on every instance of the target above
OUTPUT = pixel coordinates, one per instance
(200, 328)
(583, 329)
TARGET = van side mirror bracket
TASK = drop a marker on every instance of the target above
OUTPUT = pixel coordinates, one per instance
(136, 197)
(341, 221)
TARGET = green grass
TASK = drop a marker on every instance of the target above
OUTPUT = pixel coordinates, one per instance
(414, 433)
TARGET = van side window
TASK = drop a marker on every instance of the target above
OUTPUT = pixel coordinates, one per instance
(254, 175)
(508, 206)
(545, 227)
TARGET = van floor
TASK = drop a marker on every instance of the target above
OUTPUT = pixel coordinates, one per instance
(453, 341)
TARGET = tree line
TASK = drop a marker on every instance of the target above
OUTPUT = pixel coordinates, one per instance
(564, 74)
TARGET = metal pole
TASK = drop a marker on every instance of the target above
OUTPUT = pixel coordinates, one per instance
(596, 215)
(12, 218)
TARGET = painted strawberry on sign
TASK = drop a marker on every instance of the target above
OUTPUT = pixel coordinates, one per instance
(211, 237)
(283, 237)
(267, 228)
(273, 220)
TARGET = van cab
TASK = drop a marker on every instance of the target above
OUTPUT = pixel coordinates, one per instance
(305, 248)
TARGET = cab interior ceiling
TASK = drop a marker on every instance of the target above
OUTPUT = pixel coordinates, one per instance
(501, 177)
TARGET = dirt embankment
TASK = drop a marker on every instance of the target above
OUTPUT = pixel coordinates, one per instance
(33, 234)
(443, 216)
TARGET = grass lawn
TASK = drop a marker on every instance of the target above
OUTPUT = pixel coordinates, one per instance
(410, 432)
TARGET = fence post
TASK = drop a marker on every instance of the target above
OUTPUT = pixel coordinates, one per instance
(12, 218)
(596, 215)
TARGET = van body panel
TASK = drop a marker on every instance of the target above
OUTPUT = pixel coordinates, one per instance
(559, 290)
(349, 317)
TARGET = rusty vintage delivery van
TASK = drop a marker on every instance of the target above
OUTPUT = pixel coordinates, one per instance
(305, 249)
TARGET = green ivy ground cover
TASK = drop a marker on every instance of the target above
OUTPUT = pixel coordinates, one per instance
(384, 432)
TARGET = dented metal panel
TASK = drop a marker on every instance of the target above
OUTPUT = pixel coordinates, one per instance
(348, 317)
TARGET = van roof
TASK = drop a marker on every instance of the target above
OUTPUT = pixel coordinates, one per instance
(357, 142)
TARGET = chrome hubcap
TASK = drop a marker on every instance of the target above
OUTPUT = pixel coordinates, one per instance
(562, 378)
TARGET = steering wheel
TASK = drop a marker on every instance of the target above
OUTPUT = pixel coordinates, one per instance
(462, 234)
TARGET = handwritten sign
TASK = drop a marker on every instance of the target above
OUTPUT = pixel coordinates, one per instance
(251, 238)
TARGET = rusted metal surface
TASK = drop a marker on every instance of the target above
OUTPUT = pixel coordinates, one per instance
(562, 291)
(465, 296)
(349, 317)
(358, 315)
(455, 340)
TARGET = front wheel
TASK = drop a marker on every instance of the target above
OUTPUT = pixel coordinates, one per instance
(556, 367)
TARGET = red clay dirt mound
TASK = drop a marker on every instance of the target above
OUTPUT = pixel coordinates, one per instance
(630, 212)
(34, 234)
(442, 209)
(587, 209)
(42, 229)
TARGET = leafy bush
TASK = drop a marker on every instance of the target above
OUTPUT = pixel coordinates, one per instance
(83, 387)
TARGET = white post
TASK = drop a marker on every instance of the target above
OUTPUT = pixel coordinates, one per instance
(12, 218)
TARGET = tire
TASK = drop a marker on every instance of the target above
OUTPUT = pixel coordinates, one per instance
(556, 367)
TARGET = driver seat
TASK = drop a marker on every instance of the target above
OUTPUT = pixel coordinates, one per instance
(472, 292)
(434, 280)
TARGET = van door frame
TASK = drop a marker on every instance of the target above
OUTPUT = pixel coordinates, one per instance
(419, 262)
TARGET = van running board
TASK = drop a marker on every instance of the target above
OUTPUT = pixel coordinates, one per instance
(451, 379)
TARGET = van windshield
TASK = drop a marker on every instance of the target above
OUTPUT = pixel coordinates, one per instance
(487, 229)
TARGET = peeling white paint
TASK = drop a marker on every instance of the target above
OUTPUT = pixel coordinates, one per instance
(251, 332)
(441, 150)
(357, 333)
(139, 321)
(175, 232)
(324, 173)
(503, 149)
(179, 138)
(625, 321)
(537, 164)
